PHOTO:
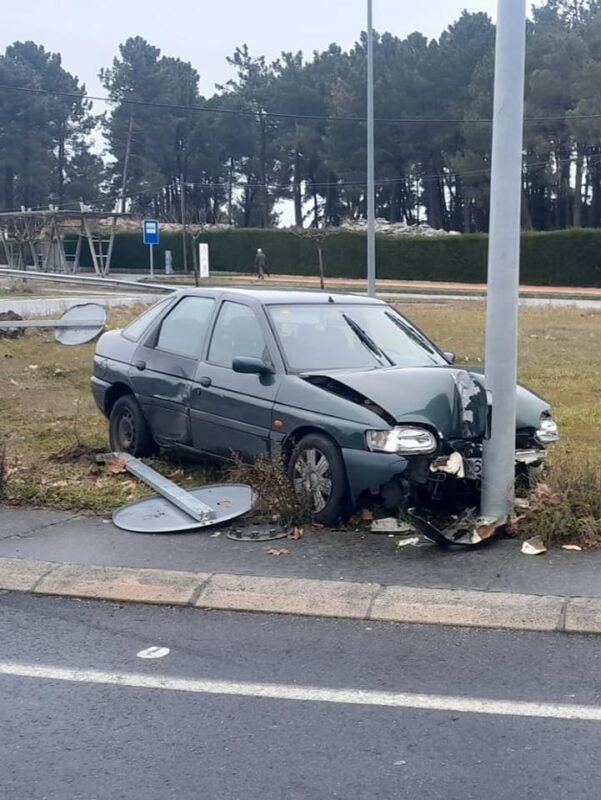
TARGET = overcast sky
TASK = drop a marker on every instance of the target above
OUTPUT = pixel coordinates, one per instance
(204, 32)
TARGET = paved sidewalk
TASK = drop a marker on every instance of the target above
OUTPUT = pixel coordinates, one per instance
(326, 573)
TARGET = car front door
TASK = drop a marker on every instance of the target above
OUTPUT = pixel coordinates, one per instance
(165, 365)
(232, 412)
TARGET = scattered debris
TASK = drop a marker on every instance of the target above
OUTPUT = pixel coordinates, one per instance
(451, 465)
(391, 525)
(534, 546)
(396, 229)
(521, 503)
(573, 547)
(366, 515)
(154, 652)
(412, 541)
(296, 534)
(275, 552)
(257, 533)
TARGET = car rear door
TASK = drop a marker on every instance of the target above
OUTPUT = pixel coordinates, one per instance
(164, 367)
(232, 412)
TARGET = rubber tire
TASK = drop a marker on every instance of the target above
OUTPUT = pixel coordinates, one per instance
(143, 444)
(337, 505)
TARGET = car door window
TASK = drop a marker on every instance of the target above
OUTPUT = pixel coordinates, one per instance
(185, 328)
(237, 333)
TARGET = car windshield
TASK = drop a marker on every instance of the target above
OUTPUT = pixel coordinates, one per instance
(336, 336)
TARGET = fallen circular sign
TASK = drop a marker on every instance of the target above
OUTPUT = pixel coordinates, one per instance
(158, 515)
(92, 318)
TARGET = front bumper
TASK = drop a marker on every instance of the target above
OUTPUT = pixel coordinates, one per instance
(368, 471)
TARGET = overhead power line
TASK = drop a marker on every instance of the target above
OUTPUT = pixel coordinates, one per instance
(285, 115)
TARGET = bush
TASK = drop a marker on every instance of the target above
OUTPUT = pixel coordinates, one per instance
(565, 507)
(557, 258)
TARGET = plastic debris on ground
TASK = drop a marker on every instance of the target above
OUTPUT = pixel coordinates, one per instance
(534, 546)
(391, 525)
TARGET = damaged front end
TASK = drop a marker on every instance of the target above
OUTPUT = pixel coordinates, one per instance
(439, 492)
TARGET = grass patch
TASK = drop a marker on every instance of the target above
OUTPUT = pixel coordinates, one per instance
(52, 427)
(276, 499)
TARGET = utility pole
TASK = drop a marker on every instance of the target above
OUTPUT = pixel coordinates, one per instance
(126, 159)
(504, 259)
(371, 168)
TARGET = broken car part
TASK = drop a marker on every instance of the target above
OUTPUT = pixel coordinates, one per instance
(78, 325)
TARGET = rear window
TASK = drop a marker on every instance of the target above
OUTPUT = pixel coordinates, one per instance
(136, 328)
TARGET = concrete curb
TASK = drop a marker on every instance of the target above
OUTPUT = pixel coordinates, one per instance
(315, 598)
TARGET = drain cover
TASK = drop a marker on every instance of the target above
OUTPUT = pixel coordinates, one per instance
(158, 515)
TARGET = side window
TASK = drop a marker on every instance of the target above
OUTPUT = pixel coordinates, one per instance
(185, 328)
(237, 333)
(136, 328)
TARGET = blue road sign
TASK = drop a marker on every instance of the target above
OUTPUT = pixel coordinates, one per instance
(151, 231)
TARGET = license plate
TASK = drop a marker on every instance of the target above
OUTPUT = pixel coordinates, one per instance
(473, 468)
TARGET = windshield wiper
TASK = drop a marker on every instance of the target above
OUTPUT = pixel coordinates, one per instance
(413, 334)
(366, 339)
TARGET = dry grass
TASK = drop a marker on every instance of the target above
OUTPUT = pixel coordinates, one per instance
(276, 499)
(52, 426)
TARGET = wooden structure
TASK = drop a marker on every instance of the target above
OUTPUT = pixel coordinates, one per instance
(52, 240)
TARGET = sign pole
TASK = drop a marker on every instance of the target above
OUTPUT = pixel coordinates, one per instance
(151, 248)
(498, 468)
(371, 180)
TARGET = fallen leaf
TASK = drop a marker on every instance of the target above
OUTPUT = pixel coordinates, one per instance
(534, 546)
(367, 515)
(276, 552)
(116, 466)
(576, 548)
(296, 534)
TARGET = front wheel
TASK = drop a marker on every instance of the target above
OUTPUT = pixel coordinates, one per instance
(316, 470)
(128, 430)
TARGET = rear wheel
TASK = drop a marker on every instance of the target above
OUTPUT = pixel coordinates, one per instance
(316, 470)
(128, 430)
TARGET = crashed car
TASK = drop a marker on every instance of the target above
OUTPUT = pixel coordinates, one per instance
(348, 392)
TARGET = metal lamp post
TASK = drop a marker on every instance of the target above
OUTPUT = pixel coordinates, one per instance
(371, 179)
(503, 259)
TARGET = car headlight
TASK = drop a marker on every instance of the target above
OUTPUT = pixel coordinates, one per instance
(405, 440)
(548, 431)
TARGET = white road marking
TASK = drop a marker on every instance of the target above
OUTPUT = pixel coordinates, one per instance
(311, 694)
(154, 652)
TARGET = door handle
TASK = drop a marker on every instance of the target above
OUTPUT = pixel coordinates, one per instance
(141, 365)
(205, 381)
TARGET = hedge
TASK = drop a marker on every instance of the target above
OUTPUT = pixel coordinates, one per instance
(558, 258)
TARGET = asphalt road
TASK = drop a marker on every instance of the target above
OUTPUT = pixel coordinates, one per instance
(269, 708)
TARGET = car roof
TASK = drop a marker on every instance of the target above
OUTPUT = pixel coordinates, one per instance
(284, 296)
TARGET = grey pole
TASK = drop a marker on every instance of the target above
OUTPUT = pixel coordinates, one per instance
(371, 175)
(151, 262)
(503, 259)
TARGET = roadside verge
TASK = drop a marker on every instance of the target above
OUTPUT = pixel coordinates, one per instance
(304, 597)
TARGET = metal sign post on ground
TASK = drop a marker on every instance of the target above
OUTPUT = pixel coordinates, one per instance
(150, 228)
(503, 259)
(371, 180)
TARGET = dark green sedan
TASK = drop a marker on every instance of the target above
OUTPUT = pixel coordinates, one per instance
(354, 398)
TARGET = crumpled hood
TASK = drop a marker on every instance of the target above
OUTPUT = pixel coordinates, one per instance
(446, 399)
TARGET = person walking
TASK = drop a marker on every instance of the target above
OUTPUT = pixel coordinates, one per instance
(261, 265)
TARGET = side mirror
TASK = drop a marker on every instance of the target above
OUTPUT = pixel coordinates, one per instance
(450, 357)
(252, 366)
